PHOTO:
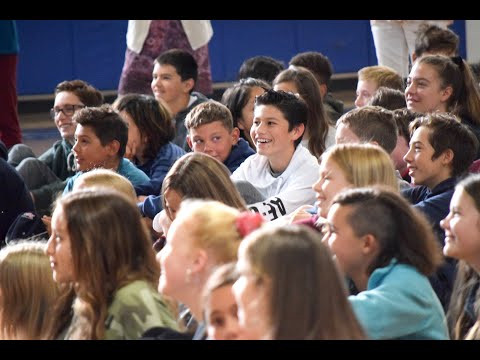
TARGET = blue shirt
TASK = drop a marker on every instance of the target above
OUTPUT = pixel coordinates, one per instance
(238, 154)
(399, 303)
(157, 169)
(435, 204)
(125, 168)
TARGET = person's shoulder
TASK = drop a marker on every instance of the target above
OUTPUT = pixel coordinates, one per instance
(71, 180)
(134, 293)
(128, 169)
(60, 146)
(136, 287)
(200, 97)
(172, 148)
(244, 146)
(255, 162)
(304, 157)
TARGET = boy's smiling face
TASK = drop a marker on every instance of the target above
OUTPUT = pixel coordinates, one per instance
(422, 168)
(270, 133)
(89, 151)
(213, 139)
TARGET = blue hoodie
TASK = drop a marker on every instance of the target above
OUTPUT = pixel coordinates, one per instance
(400, 304)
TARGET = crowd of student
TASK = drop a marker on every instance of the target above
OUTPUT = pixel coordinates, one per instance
(272, 214)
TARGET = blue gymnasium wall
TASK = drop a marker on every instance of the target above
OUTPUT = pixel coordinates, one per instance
(93, 50)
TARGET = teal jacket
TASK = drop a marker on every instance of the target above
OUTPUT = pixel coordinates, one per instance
(400, 304)
(125, 168)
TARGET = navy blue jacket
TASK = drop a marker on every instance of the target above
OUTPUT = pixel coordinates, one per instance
(238, 154)
(156, 169)
(435, 204)
(14, 197)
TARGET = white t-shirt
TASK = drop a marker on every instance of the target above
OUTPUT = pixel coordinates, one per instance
(285, 193)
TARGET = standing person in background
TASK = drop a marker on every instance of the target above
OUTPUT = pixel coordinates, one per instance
(10, 132)
(395, 41)
(147, 39)
(435, 40)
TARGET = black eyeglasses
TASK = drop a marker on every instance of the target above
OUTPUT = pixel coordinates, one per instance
(68, 110)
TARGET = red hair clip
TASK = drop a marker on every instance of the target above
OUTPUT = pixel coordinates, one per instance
(248, 221)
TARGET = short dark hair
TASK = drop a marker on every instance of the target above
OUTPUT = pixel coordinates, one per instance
(317, 63)
(183, 62)
(402, 231)
(436, 40)
(447, 132)
(88, 94)
(260, 67)
(388, 98)
(293, 107)
(106, 123)
(152, 119)
(236, 97)
(403, 118)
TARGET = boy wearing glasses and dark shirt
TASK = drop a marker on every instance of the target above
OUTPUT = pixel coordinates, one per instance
(47, 174)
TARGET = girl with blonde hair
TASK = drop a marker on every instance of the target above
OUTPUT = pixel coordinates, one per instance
(347, 166)
(27, 291)
(204, 234)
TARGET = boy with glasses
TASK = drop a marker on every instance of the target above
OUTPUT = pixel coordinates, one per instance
(46, 175)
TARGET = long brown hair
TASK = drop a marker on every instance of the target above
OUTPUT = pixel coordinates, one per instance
(27, 290)
(308, 298)
(200, 176)
(455, 72)
(467, 280)
(110, 247)
(309, 90)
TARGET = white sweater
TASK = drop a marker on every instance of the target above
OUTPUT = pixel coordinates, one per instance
(285, 193)
(199, 33)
